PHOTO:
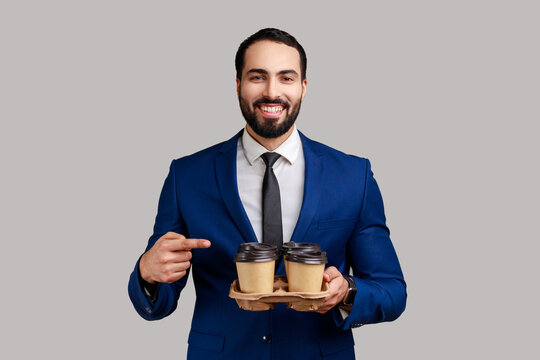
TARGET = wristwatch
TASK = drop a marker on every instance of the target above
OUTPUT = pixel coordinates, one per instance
(351, 293)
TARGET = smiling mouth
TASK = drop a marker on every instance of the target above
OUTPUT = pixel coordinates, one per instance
(271, 110)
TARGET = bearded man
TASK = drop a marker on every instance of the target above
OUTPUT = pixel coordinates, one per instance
(212, 201)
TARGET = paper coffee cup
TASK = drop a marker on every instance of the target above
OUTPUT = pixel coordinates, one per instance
(255, 264)
(305, 270)
(291, 245)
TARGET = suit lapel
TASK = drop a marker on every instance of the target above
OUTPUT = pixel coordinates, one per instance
(228, 186)
(312, 188)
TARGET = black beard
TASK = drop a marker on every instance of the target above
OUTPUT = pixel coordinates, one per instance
(268, 128)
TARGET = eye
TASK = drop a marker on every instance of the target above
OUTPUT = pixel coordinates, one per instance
(256, 78)
(287, 79)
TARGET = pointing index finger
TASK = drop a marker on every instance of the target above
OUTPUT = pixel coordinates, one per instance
(173, 236)
(188, 244)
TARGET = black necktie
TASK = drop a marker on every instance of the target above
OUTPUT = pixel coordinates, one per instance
(272, 229)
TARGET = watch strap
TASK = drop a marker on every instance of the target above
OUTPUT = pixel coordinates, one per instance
(349, 299)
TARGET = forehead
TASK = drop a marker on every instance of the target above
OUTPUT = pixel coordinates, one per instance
(271, 56)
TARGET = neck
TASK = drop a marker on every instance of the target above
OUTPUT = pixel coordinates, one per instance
(270, 144)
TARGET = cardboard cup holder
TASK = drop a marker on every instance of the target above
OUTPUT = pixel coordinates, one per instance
(299, 301)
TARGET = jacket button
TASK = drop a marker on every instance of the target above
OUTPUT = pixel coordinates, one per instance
(267, 339)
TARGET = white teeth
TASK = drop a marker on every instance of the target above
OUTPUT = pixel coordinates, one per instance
(272, 109)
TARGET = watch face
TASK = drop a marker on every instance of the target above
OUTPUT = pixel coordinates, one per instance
(347, 301)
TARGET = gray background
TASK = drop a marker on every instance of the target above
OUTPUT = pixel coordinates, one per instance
(97, 97)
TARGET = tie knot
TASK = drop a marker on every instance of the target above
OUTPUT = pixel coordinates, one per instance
(270, 158)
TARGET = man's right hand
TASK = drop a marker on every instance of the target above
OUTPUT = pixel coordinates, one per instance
(168, 260)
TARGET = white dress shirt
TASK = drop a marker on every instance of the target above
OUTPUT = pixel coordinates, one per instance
(289, 170)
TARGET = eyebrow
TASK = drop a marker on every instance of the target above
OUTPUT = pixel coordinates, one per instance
(262, 71)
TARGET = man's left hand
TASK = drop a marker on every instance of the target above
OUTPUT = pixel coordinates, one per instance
(338, 289)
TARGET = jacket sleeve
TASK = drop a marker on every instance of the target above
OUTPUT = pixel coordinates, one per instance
(168, 219)
(381, 294)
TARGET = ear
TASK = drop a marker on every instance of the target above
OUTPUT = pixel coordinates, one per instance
(304, 85)
(237, 86)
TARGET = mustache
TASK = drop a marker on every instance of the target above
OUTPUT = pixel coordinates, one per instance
(268, 101)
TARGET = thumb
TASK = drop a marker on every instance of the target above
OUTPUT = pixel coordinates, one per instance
(331, 273)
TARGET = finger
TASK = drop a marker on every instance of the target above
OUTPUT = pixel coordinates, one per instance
(180, 274)
(188, 244)
(323, 310)
(174, 277)
(178, 267)
(332, 273)
(327, 305)
(173, 235)
(329, 302)
(176, 257)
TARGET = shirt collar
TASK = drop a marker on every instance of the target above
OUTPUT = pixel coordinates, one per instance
(288, 150)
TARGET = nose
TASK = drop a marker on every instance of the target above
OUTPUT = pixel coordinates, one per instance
(271, 90)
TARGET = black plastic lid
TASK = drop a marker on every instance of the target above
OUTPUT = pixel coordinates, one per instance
(291, 245)
(288, 245)
(310, 246)
(248, 246)
(256, 252)
(306, 256)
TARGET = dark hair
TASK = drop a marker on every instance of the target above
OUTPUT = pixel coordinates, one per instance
(271, 34)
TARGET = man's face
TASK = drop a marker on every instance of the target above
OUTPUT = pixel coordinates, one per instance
(271, 89)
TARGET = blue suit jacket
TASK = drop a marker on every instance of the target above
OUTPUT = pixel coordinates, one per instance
(342, 211)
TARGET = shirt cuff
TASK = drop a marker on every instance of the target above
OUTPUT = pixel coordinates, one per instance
(150, 290)
(344, 313)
